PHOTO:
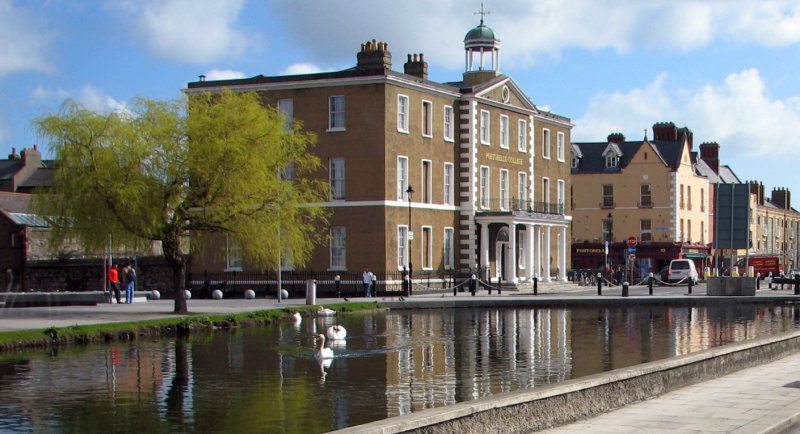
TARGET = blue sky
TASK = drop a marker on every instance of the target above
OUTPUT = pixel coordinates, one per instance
(728, 70)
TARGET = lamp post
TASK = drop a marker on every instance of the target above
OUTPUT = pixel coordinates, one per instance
(409, 192)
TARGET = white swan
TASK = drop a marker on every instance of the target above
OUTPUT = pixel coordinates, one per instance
(296, 318)
(335, 332)
(323, 352)
(324, 311)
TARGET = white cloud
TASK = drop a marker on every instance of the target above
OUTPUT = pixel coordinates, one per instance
(529, 30)
(23, 43)
(301, 68)
(223, 74)
(738, 113)
(194, 31)
(96, 100)
(42, 93)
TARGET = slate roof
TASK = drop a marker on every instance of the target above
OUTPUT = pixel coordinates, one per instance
(14, 202)
(42, 177)
(9, 167)
(594, 162)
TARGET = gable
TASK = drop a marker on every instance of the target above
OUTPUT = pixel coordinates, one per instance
(506, 91)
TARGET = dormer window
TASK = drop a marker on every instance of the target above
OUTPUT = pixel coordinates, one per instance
(612, 154)
(575, 161)
(612, 160)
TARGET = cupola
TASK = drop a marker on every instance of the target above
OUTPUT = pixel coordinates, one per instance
(482, 53)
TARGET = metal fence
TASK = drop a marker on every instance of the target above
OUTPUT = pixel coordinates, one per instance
(233, 284)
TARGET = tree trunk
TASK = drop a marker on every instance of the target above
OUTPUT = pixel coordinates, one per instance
(172, 253)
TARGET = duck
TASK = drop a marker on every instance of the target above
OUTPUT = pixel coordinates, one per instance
(324, 311)
(335, 332)
(296, 318)
(323, 352)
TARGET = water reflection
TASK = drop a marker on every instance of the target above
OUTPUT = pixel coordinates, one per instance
(269, 380)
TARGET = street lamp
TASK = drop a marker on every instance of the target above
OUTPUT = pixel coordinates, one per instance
(409, 192)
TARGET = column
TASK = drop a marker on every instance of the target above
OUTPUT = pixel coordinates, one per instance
(511, 255)
(546, 254)
(483, 255)
(562, 254)
(537, 252)
(528, 247)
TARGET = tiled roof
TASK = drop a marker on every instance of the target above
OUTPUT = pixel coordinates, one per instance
(14, 202)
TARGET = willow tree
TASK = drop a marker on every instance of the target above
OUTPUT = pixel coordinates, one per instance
(172, 171)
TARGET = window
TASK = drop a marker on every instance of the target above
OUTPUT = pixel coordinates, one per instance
(702, 200)
(402, 247)
(546, 144)
(449, 123)
(427, 250)
(680, 236)
(522, 135)
(522, 190)
(448, 183)
(612, 159)
(402, 177)
(560, 146)
(689, 230)
(484, 127)
(503, 189)
(426, 181)
(286, 107)
(504, 131)
(288, 172)
(561, 197)
(702, 232)
(427, 118)
(402, 113)
(233, 254)
(336, 113)
(689, 197)
(645, 196)
(575, 161)
(608, 230)
(336, 172)
(448, 258)
(608, 196)
(521, 254)
(338, 247)
(546, 191)
(484, 185)
(645, 233)
(682, 196)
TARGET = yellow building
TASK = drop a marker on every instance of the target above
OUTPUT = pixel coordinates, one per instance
(648, 191)
(774, 225)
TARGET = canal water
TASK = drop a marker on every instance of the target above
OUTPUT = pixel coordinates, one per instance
(391, 363)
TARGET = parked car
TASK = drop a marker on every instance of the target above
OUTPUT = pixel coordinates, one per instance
(681, 270)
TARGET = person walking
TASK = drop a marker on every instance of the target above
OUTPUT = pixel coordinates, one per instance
(130, 283)
(367, 279)
(113, 280)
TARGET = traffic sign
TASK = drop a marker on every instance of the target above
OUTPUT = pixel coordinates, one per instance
(632, 241)
(632, 250)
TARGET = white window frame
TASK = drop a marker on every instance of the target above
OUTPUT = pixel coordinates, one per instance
(426, 169)
(403, 106)
(402, 246)
(233, 254)
(336, 177)
(504, 131)
(448, 248)
(522, 135)
(546, 143)
(427, 118)
(484, 186)
(426, 240)
(546, 191)
(649, 230)
(338, 248)
(449, 123)
(504, 189)
(522, 190)
(560, 139)
(286, 107)
(485, 131)
(449, 173)
(336, 113)
(402, 177)
(561, 194)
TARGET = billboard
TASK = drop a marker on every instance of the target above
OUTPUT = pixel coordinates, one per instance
(732, 217)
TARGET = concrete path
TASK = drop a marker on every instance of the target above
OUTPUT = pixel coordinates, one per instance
(763, 399)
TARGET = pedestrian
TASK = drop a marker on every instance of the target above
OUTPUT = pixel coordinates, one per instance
(374, 288)
(130, 285)
(367, 279)
(113, 280)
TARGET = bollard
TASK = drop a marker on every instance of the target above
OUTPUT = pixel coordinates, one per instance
(624, 289)
(770, 279)
(758, 280)
(473, 284)
(797, 284)
(499, 285)
(650, 284)
(599, 285)
(455, 290)
(535, 285)
(690, 285)
(338, 280)
(311, 292)
(489, 287)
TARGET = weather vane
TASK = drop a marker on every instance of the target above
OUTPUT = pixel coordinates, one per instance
(482, 13)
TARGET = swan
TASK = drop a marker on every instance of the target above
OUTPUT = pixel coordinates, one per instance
(335, 332)
(297, 318)
(324, 311)
(323, 352)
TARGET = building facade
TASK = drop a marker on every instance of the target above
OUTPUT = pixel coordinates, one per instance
(774, 225)
(427, 176)
(649, 191)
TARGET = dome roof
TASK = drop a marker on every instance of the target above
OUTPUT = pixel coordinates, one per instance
(481, 32)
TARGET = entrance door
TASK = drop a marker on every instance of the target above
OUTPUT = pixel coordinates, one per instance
(501, 254)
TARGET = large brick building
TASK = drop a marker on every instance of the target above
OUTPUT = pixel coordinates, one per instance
(488, 169)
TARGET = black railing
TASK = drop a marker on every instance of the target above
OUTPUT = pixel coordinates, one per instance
(520, 205)
(233, 284)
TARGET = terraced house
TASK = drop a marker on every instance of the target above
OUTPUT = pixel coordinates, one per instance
(426, 175)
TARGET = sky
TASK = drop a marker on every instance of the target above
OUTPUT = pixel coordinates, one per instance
(727, 70)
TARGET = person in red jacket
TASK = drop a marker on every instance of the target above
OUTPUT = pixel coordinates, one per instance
(113, 278)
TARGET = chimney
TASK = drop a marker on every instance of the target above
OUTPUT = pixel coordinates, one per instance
(781, 198)
(31, 156)
(617, 138)
(374, 56)
(709, 152)
(416, 66)
(13, 155)
(665, 131)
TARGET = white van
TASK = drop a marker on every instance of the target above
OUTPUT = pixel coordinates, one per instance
(681, 270)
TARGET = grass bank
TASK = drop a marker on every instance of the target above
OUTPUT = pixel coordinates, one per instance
(178, 326)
